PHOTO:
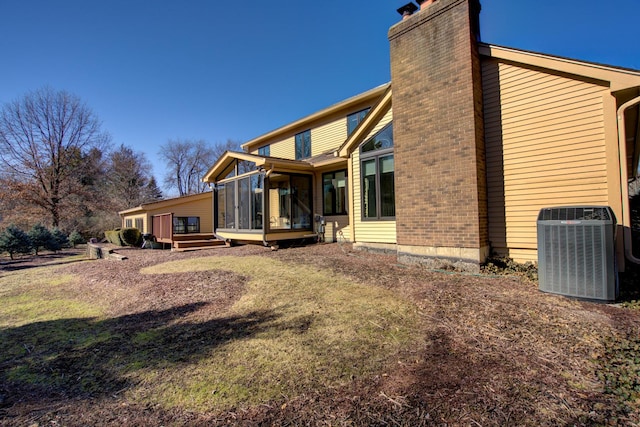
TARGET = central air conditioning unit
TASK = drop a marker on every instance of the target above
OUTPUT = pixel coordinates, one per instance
(576, 252)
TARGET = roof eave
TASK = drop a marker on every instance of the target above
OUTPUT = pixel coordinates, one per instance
(617, 78)
(365, 126)
(370, 94)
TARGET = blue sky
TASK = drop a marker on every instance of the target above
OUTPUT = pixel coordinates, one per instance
(218, 70)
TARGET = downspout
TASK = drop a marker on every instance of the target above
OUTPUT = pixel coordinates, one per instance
(622, 150)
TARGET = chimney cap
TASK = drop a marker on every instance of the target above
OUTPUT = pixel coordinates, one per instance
(407, 9)
(420, 2)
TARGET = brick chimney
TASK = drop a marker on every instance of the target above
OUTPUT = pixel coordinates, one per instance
(440, 170)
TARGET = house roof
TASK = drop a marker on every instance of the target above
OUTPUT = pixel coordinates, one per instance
(222, 167)
(618, 78)
(304, 122)
(366, 125)
(166, 203)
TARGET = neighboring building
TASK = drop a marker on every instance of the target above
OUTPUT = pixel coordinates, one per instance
(451, 160)
(180, 222)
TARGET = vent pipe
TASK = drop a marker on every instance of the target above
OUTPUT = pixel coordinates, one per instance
(407, 10)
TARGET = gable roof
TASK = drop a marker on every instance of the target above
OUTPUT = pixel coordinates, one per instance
(166, 203)
(304, 122)
(618, 78)
(222, 167)
(363, 129)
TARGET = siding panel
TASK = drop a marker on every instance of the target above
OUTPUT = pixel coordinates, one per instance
(285, 149)
(534, 122)
(329, 136)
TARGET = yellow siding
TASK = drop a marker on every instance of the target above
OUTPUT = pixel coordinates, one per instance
(369, 231)
(285, 149)
(336, 226)
(202, 207)
(328, 136)
(324, 137)
(337, 229)
(534, 124)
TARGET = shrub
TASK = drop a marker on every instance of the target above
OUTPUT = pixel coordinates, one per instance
(76, 238)
(131, 236)
(41, 237)
(14, 241)
(113, 237)
(507, 266)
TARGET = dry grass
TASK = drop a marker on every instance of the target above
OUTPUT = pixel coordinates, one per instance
(316, 335)
(310, 330)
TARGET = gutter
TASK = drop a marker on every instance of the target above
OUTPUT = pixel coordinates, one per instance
(622, 150)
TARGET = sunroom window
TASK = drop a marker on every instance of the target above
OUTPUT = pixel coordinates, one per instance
(246, 214)
(290, 202)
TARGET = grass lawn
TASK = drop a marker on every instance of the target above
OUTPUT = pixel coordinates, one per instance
(316, 335)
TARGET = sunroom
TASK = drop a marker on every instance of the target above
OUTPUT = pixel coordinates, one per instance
(261, 199)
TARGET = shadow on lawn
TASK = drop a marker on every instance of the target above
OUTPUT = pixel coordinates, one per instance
(41, 260)
(78, 358)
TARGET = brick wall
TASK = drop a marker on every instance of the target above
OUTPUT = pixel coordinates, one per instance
(438, 128)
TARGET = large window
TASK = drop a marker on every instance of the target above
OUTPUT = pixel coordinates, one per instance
(353, 120)
(240, 203)
(290, 202)
(334, 193)
(303, 145)
(186, 224)
(377, 166)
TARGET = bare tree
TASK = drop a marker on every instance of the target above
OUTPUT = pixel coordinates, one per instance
(129, 175)
(187, 161)
(221, 147)
(43, 140)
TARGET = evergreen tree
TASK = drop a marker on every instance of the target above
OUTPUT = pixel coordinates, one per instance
(40, 237)
(14, 241)
(152, 191)
(59, 239)
(75, 238)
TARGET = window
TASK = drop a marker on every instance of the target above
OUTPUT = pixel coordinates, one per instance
(265, 151)
(353, 120)
(303, 145)
(377, 166)
(221, 201)
(139, 224)
(290, 201)
(186, 224)
(128, 223)
(239, 203)
(334, 193)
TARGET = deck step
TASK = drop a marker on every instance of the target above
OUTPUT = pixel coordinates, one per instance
(184, 244)
(197, 248)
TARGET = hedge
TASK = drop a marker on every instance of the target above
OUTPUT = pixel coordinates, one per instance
(124, 237)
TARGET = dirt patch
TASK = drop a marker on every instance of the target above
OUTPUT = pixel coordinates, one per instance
(495, 351)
